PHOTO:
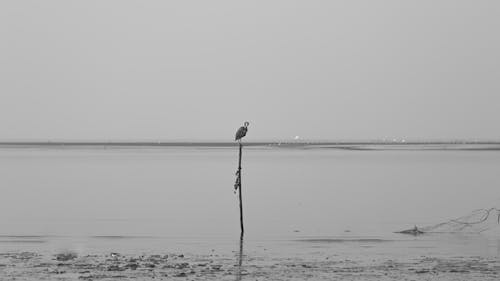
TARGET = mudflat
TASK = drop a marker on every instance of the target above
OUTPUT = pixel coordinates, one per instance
(178, 266)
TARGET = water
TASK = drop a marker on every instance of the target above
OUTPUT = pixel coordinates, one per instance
(150, 198)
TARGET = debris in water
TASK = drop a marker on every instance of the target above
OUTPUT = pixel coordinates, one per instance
(412, 231)
(66, 256)
(476, 222)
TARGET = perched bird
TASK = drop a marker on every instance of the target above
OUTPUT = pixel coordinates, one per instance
(242, 131)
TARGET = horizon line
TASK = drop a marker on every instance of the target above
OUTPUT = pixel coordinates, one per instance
(247, 143)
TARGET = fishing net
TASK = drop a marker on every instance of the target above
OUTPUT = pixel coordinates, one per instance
(477, 221)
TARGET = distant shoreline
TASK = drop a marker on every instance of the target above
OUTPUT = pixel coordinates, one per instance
(348, 145)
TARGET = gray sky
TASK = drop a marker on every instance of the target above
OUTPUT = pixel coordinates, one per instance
(198, 69)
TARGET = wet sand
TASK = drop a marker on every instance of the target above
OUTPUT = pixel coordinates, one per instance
(182, 266)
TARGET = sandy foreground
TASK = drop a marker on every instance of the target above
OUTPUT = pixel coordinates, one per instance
(178, 266)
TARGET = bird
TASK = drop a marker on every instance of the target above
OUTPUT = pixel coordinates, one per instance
(242, 131)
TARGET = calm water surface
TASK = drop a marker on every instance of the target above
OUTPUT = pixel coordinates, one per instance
(97, 198)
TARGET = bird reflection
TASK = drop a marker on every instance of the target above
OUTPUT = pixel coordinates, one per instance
(240, 261)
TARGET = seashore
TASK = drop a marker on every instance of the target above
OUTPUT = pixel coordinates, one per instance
(179, 266)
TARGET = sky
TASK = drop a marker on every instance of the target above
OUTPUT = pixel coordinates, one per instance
(196, 70)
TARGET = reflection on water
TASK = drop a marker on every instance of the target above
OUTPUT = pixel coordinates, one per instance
(240, 260)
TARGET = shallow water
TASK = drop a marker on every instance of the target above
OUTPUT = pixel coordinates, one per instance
(296, 200)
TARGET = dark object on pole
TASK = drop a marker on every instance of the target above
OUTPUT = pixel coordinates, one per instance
(242, 131)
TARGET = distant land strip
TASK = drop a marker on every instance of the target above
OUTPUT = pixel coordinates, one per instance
(354, 145)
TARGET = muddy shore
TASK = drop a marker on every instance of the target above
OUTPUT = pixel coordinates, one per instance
(179, 266)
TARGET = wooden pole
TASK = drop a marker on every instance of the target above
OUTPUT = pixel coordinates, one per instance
(241, 200)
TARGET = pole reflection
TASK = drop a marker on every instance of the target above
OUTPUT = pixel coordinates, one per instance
(240, 261)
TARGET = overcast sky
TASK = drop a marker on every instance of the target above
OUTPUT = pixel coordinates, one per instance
(198, 69)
